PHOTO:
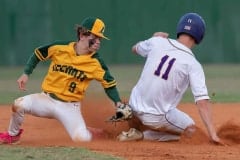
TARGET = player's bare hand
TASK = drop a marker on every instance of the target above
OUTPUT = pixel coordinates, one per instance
(160, 34)
(22, 80)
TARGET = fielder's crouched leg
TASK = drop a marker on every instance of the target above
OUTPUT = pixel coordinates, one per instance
(17, 105)
(17, 117)
(81, 135)
(88, 134)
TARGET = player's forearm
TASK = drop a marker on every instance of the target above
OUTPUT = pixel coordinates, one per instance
(205, 113)
(31, 64)
(113, 94)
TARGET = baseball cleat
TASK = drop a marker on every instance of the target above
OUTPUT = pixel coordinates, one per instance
(5, 138)
(132, 135)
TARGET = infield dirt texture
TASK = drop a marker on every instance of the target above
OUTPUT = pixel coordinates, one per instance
(48, 132)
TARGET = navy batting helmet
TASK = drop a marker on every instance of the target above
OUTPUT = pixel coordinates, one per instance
(193, 25)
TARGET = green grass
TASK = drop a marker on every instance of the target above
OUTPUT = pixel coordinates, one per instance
(51, 153)
(222, 81)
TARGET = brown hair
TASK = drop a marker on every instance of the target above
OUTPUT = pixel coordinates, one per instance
(81, 30)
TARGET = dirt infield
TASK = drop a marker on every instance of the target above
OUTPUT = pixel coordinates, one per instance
(48, 132)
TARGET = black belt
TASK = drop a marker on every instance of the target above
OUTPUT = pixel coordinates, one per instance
(52, 95)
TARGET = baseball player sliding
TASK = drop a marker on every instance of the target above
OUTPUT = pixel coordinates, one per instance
(170, 68)
(73, 66)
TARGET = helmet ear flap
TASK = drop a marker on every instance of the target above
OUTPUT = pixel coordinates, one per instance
(193, 25)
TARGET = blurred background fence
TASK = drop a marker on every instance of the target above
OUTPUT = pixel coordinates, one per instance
(26, 24)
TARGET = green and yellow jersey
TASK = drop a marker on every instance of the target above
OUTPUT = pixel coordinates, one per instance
(69, 74)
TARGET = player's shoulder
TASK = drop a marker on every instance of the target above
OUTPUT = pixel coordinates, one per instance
(157, 41)
(100, 60)
(98, 57)
(161, 42)
(181, 47)
(55, 43)
(62, 44)
(158, 38)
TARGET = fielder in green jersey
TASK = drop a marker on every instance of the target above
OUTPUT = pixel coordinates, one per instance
(73, 66)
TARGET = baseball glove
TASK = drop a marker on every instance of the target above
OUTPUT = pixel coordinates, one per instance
(123, 113)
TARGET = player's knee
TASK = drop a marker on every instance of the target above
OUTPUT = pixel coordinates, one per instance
(189, 131)
(17, 105)
(81, 136)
